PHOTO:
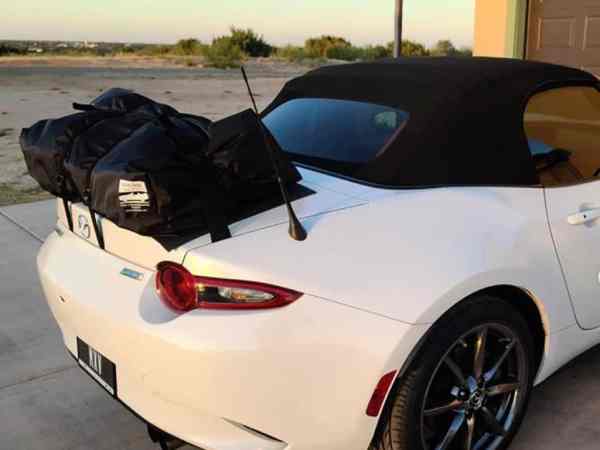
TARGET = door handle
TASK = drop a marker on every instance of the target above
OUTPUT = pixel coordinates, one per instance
(584, 217)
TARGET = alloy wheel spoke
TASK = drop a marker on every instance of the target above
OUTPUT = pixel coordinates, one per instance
(470, 432)
(479, 358)
(492, 423)
(455, 426)
(454, 404)
(458, 373)
(490, 374)
(484, 390)
(502, 389)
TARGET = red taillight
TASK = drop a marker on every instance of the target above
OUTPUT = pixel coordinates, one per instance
(182, 291)
(379, 394)
(176, 286)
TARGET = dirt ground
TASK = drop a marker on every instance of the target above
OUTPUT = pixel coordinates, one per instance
(38, 88)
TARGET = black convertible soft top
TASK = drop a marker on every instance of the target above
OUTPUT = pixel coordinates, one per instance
(466, 115)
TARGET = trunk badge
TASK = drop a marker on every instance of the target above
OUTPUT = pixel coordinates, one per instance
(132, 274)
(83, 227)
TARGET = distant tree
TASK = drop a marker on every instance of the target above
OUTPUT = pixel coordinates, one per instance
(318, 47)
(465, 51)
(411, 48)
(373, 52)
(249, 42)
(123, 49)
(7, 50)
(444, 48)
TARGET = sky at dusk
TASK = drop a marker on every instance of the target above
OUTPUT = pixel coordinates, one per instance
(280, 21)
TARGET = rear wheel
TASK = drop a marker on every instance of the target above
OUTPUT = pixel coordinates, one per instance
(468, 389)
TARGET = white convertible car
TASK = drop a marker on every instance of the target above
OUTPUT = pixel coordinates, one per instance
(452, 262)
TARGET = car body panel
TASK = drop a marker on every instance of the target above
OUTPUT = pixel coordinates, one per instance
(378, 269)
(142, 250)
(147, 251)
(424, 251)
(461, 241)
(187, 373)
(577, 246)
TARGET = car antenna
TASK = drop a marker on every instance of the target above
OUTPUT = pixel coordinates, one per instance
(296, 230)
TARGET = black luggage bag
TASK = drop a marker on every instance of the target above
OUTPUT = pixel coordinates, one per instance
(49, 145)
(154, 171)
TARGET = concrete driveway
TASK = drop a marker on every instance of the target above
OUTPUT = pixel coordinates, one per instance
(47, 403)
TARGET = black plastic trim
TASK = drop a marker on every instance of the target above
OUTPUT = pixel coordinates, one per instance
(65, 203)
(409, 188)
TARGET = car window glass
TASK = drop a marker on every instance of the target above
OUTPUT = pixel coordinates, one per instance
(336, 135)
(563, 131)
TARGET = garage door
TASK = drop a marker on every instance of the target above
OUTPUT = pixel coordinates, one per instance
(565, 32)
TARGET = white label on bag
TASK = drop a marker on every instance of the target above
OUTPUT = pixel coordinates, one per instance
(133, 196)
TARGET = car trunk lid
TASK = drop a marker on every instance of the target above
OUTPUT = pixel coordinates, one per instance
(324, 196)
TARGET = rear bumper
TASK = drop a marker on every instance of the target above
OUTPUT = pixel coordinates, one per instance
(303, 374)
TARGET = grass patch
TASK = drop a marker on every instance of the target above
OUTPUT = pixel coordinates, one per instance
(9, 195)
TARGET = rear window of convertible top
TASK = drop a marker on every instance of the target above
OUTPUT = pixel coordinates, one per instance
(340, 136)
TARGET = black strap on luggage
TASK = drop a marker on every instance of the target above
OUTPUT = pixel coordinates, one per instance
(99, 235)
(84, 107)
(212, 200)
(65, 203)
(214, 214)
(61, 181)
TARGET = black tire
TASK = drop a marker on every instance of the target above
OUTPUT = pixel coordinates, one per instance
(402, 422)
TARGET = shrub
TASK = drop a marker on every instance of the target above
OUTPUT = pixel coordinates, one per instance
(317, 47)
(191, 62)
(344, 53)
(291, 53)
(155, 50)
(250, 43)
(372, 53)
(188, 47)
(5, 50)
(223, 53)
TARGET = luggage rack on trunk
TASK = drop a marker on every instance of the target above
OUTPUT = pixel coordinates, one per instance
(160, 173)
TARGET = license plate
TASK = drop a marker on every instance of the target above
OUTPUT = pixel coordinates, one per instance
(98, 366)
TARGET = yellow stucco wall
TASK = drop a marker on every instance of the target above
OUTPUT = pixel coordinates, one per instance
(491, 19)
(500, 28)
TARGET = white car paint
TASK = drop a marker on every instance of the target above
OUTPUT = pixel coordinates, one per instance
(378, 268)
(577, 245)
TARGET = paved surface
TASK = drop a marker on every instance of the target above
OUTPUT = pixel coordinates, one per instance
(46, 403)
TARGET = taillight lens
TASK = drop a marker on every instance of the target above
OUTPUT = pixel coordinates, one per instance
(182, 291)
(176, 286)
